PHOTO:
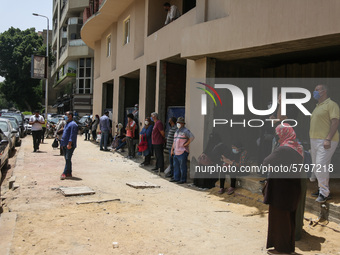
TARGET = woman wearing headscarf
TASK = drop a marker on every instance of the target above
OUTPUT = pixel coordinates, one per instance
(237, 158)
(282, 191)
(147, 131)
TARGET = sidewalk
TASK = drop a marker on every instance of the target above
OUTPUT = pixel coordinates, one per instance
(173, 219)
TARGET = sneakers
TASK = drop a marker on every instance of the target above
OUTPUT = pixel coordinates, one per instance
(221, 191)
(230, 191)
(315, 194)
(322, 199)
(67, 176)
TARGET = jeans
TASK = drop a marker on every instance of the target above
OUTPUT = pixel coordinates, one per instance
(121, 144)
(36, 139)
(103, 139)
(322, 157)
(171, 162)
(87, 134)
(131, 146)
(43, 134)
(180, 167)
(158, 149)
(68, 164)
(94, 135)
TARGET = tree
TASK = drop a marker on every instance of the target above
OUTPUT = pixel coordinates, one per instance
(16, 49)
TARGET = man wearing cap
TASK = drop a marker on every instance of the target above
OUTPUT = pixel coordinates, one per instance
(36, 121)
(180, 150)
(104, 125)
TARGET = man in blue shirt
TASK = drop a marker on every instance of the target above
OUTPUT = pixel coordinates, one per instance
(69, 143)
(105, 130)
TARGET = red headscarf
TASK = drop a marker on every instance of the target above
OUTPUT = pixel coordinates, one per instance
(288, 137)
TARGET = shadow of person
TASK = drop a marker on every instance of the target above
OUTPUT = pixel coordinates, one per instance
(41, 151)
(75, 178)
(309, 242)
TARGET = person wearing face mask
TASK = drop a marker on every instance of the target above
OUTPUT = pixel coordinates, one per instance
(283, 192)
(238, 158)
(324, 138)
(169, 142)
(147, 132)
(157, 142)
(180, 151)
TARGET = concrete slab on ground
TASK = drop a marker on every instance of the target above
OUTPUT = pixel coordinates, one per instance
(7, 226)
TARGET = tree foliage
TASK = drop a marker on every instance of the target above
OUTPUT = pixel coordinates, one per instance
(16, 49)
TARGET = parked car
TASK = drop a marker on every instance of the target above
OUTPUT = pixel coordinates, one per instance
(7, 129)
(20, 117)
(4, 150)
(15, 126)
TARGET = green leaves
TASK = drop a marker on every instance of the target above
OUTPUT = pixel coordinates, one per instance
(16, 48)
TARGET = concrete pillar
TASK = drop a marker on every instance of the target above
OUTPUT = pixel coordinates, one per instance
(197, 70)
(201, 9)
(120, 100)
(161, 90)
(151, 74)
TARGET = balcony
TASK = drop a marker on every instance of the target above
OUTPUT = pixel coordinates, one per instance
(97, 22)
(71, 8)
(65, 75)
(73, 50)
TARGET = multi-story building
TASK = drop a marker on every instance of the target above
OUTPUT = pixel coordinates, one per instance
(140, 60)
(72, 70)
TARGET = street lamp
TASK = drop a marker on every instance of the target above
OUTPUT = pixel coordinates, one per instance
(46, 85)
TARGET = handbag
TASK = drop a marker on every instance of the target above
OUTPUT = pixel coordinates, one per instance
(204, 160)
(55, 143)
(60, 131)
(143, 145)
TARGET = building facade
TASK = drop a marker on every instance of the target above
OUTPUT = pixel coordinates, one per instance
(140, 60)
(72, 71)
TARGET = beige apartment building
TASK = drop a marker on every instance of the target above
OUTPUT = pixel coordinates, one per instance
(72, 71)
(139, 60)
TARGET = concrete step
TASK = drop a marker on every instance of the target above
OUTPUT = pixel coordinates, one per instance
(329, 210)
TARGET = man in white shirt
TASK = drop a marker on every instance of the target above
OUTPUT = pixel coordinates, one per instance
(36, 121)
(172, 11)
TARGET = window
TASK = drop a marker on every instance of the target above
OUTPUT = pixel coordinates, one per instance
(126, 29)
(84, 76)
(108, 46)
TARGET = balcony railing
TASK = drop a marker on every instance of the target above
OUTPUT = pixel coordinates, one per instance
(77, 42)
(92, 9)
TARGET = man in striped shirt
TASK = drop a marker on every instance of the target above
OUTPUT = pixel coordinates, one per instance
(169, 142)
(180, 149)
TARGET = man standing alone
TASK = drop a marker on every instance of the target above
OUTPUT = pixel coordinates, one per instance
(324, 138)
(36, 121)
(172, 12)
(69, 143)
(105, 129)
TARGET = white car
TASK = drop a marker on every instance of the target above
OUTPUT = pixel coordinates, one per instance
(7, 129)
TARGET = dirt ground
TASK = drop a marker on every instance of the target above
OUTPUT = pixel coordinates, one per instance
(172, 219)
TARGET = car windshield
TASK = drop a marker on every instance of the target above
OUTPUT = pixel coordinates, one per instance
(14, 123)
(18, 117)
(3, 126)
(54, 120)
(83, 119)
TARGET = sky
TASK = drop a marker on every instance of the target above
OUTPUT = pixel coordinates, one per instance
(18, 14)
